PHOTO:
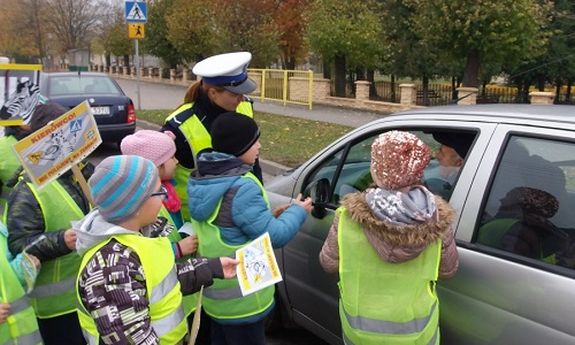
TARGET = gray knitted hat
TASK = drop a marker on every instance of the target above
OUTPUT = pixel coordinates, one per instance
(121, 184)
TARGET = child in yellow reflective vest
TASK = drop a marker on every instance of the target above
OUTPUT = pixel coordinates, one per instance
(390, 244)
(129, 287)
(159, 147)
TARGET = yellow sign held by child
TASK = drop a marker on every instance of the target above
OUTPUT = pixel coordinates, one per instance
(59, 146)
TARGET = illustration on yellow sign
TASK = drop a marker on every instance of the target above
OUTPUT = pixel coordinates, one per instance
(55, 148)
(258, 267)
(136, 30)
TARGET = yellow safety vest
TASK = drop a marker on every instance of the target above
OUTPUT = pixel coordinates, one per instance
(381, 302)
(199, 139)
(9, 163)
(189, 301)
(21, 326)
(56, 279)
(162, 288)
(223, 300)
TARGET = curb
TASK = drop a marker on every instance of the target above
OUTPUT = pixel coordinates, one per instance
(269, 167)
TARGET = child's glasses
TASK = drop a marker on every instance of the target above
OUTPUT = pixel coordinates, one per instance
(162, 193)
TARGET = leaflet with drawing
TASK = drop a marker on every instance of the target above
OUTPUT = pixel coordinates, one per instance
(258, 267)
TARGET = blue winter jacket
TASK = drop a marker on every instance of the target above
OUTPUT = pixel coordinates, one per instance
(244, 214)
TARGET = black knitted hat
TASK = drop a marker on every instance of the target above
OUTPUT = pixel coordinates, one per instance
(460, 142)
(234, 133)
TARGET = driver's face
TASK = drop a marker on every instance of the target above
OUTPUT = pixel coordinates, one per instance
(448, 157)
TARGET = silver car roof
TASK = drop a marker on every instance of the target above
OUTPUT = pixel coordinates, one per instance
(498, 113)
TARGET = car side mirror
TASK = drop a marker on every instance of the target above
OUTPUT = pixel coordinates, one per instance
(318, 191)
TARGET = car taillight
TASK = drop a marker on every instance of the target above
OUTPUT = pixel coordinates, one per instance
(131, 113)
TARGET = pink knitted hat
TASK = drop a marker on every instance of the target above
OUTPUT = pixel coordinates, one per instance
(398, 159)
(155, 146)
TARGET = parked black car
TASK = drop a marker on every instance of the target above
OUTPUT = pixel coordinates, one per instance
(113, 110)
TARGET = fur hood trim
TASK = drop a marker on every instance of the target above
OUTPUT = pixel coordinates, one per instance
(412, 235)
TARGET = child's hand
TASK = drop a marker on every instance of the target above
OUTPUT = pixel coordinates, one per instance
(189, 245)
(279, 210)
(229, 266)
(4, 312)
(70, 239)
(34, 260)
(306, 204)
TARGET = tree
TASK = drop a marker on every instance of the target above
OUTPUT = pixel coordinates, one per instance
(347, 32)
(17, 37)
(291, 23)
(483, 32)
(157, 42)
(406, 53)
(556, 64)
(249, 25)
(112, 36)
(72, 22)
(192, 28)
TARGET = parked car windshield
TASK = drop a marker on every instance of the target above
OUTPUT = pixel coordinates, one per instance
(74, 85)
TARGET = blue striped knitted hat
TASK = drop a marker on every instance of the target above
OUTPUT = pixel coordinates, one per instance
(121, 184)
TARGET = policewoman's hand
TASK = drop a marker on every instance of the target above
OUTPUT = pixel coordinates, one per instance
(229, 266)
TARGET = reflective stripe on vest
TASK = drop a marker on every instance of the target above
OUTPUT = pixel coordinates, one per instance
(379, 326)
(434, 340)
(21, 326)
(383, 302)
(162, 288)
(56, 277)
(189, 301)
(28, 339)
(223, 300)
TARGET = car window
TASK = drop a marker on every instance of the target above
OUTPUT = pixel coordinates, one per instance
(529, 208)
(355, 174)
(74, 85)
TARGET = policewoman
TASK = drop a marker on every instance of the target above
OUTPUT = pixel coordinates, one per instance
(222, 89)
(49, 211)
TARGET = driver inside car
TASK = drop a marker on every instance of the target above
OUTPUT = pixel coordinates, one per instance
(442, 172)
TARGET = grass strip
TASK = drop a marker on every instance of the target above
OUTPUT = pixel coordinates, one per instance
(286, 140)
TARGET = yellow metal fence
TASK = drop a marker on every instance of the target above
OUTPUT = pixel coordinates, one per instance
(286, 86)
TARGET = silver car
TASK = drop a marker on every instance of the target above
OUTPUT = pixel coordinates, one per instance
(515, 224)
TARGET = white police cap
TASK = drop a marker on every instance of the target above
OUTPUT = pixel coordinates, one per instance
(227, 70)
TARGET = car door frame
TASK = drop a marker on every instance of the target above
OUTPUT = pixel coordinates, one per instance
(498, 297)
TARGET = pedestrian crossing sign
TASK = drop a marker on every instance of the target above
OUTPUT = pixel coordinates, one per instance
(136, 31)
(136, 12)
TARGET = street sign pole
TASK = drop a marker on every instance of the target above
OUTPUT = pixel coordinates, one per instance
(136, 16)
(138, 73)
